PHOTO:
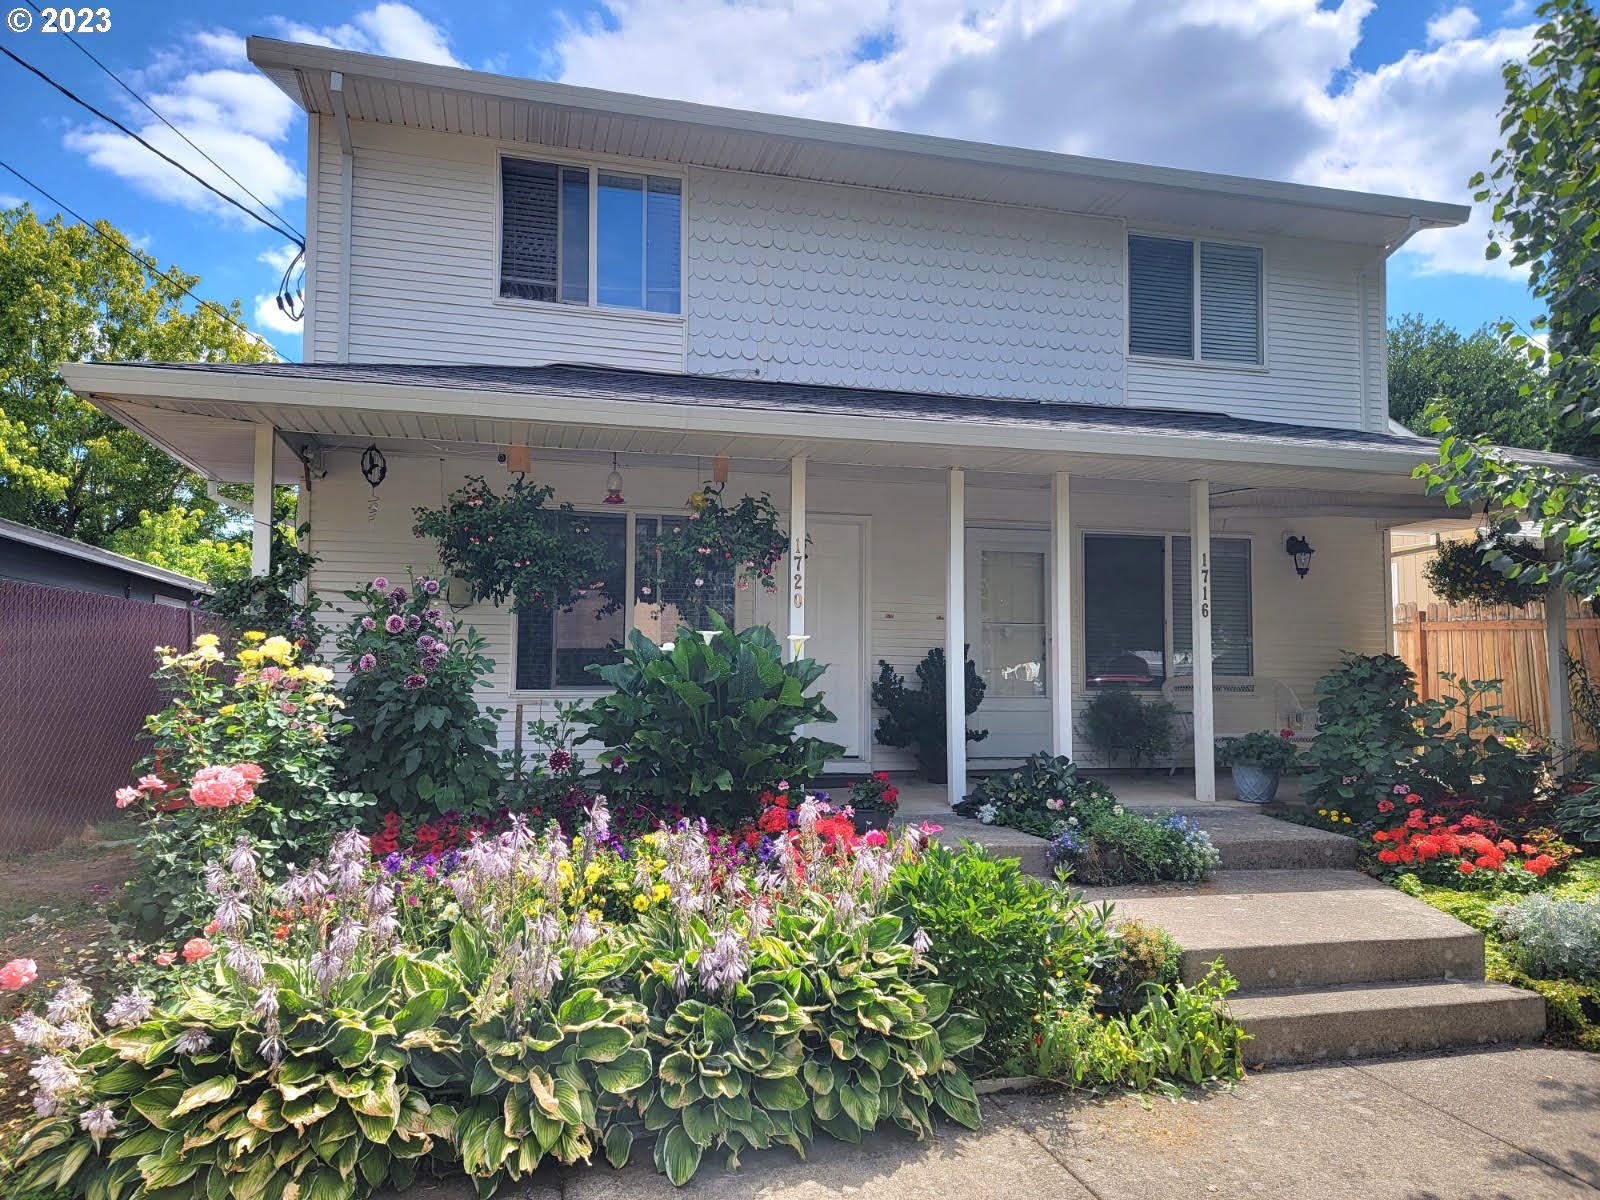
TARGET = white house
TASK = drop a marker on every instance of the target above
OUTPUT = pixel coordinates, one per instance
(1004, 392)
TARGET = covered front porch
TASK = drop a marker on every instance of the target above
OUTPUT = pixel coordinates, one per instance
(1055, 540)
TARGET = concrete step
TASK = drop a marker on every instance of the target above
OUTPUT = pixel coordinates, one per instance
(1248, 840)
(1311, 1025)
(1304, 928)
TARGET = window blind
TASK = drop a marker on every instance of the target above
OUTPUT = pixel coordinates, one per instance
(544, 231)
(1230, 303)
(1232, 649)
(1160, 297)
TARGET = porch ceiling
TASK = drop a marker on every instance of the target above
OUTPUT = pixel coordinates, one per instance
(205, 415)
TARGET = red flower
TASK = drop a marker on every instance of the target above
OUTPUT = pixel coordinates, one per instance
(1465, 867)
(1386, 806)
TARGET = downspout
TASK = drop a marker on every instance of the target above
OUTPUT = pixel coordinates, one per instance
(347, 179)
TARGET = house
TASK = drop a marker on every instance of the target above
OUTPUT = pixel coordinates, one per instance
(29, 555)
(1002, 395)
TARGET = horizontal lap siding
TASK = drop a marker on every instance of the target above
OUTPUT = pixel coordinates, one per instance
(424, 271)
(1314, 341)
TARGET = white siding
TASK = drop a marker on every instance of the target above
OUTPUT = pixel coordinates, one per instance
(1313, 374)
(424, 277)
(1300, 625)
(814, 283)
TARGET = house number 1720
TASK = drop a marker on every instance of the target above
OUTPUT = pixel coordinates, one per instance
(799, 584)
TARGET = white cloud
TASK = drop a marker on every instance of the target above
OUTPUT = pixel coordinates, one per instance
(394, 29)
(269, 316)
(1263, 88)
(1452, 26)
(7, 200)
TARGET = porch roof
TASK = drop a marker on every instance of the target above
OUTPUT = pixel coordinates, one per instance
(202, 413)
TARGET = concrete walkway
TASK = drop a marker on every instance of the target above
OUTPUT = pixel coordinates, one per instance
(1493, 1125)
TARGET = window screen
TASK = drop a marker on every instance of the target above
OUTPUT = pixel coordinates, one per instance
(556, 646)
(1232, 638)
(1230, 303)
(1124, 610)
(1161, 297)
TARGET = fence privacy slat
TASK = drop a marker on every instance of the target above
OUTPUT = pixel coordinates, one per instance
(1494, 643)
(75, 687)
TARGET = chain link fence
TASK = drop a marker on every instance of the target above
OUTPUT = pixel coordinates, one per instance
(75, 687)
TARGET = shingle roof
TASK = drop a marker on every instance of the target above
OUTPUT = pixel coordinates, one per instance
(586, 383)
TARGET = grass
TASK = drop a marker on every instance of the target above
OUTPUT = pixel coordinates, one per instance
(1572, 1009)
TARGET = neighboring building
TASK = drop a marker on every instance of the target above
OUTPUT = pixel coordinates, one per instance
(1003, 391)
(29, 555)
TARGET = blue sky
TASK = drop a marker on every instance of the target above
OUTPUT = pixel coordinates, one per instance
(1398, 96)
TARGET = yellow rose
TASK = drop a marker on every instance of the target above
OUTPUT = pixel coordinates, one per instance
(254, 635)
(206, 639)
(278, 649)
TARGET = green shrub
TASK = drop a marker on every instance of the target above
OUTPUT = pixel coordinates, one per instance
(1013, 947)
(1486, 572)
(1037, 797)
(1145, 958)
(707, 727)
(1119, 723)
(1122, 846)
(916, 717)
(1552, 938)
(1180, 1036)
(416, 738)
(1270, 751)
(271, 603)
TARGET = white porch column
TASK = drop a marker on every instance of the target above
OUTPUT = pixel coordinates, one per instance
(1555, 643)
(1060, 629)
(797, 557)
(261, 501)
(955, 640)
(1205, 730)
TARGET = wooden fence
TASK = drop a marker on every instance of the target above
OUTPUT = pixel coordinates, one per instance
(1494, 643)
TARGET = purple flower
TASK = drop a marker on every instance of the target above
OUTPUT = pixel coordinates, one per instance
(413, 622)
(430, 662)
(366, 663)
(398, 596)
(368, 624)
(426, 642)
(395, 624)
(415, 682)
(432, 616)
(431, 586)
(392, 863)
(380, 584)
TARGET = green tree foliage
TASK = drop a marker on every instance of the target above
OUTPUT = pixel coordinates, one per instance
(66, 295)
(1544, 186)
(1485, 388)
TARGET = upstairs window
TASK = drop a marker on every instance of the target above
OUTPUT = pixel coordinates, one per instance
(585, 236)
(1198, 301)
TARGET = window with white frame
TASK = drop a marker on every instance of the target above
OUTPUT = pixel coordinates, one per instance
(1195, 300)
(1138, 627)
(555, 647)
(590, 236)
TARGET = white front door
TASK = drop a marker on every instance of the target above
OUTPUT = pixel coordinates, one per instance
(1008, 607)
(835, 615)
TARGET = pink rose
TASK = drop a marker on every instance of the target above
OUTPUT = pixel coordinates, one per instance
(197, 948)
(166, 958)
(126, 796)
(221, 787)
(252, 772)
(18, 974)
(153, 783)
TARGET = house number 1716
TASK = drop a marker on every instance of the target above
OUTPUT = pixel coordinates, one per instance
(1205, 584)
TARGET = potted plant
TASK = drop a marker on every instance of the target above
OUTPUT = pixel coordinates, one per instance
(874, 801)
(1258, 760)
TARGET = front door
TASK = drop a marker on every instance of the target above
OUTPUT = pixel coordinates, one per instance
(835, 608)
(1008, 605)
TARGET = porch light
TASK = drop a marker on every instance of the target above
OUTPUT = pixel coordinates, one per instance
(614, 485)
(1300, 550)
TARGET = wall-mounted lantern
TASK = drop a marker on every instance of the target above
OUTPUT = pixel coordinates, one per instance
(1300, 550)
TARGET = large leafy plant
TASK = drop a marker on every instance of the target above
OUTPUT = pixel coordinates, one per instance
(514, 546)
(709, 724)
(415, 737)
(915, 717)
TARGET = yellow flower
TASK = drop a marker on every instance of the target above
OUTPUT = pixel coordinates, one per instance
(250, 659)
(316, 674)
(206, 639)
(641, 902)
(661, 891)
(254, 635)
(227, 710)
(565, 873)
(1322, 812)
(1346, 820)
(591, 873)
(278, 649)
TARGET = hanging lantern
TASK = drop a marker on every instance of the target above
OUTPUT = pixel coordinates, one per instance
(614, 485)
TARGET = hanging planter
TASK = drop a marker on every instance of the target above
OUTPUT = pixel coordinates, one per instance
(746, 537)
(1478, 572)
(515, 547)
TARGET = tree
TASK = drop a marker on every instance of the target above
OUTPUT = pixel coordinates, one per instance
(1544, 184)
(68, 294)
(1484, 387)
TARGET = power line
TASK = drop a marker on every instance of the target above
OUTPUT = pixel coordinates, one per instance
(79, 100)
(145, 262)
(89, 54)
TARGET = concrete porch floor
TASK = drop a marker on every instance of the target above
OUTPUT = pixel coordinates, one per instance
(922, 800)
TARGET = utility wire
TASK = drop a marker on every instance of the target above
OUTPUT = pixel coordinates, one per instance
(145, 262)
(89, 54)
(110, 120)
